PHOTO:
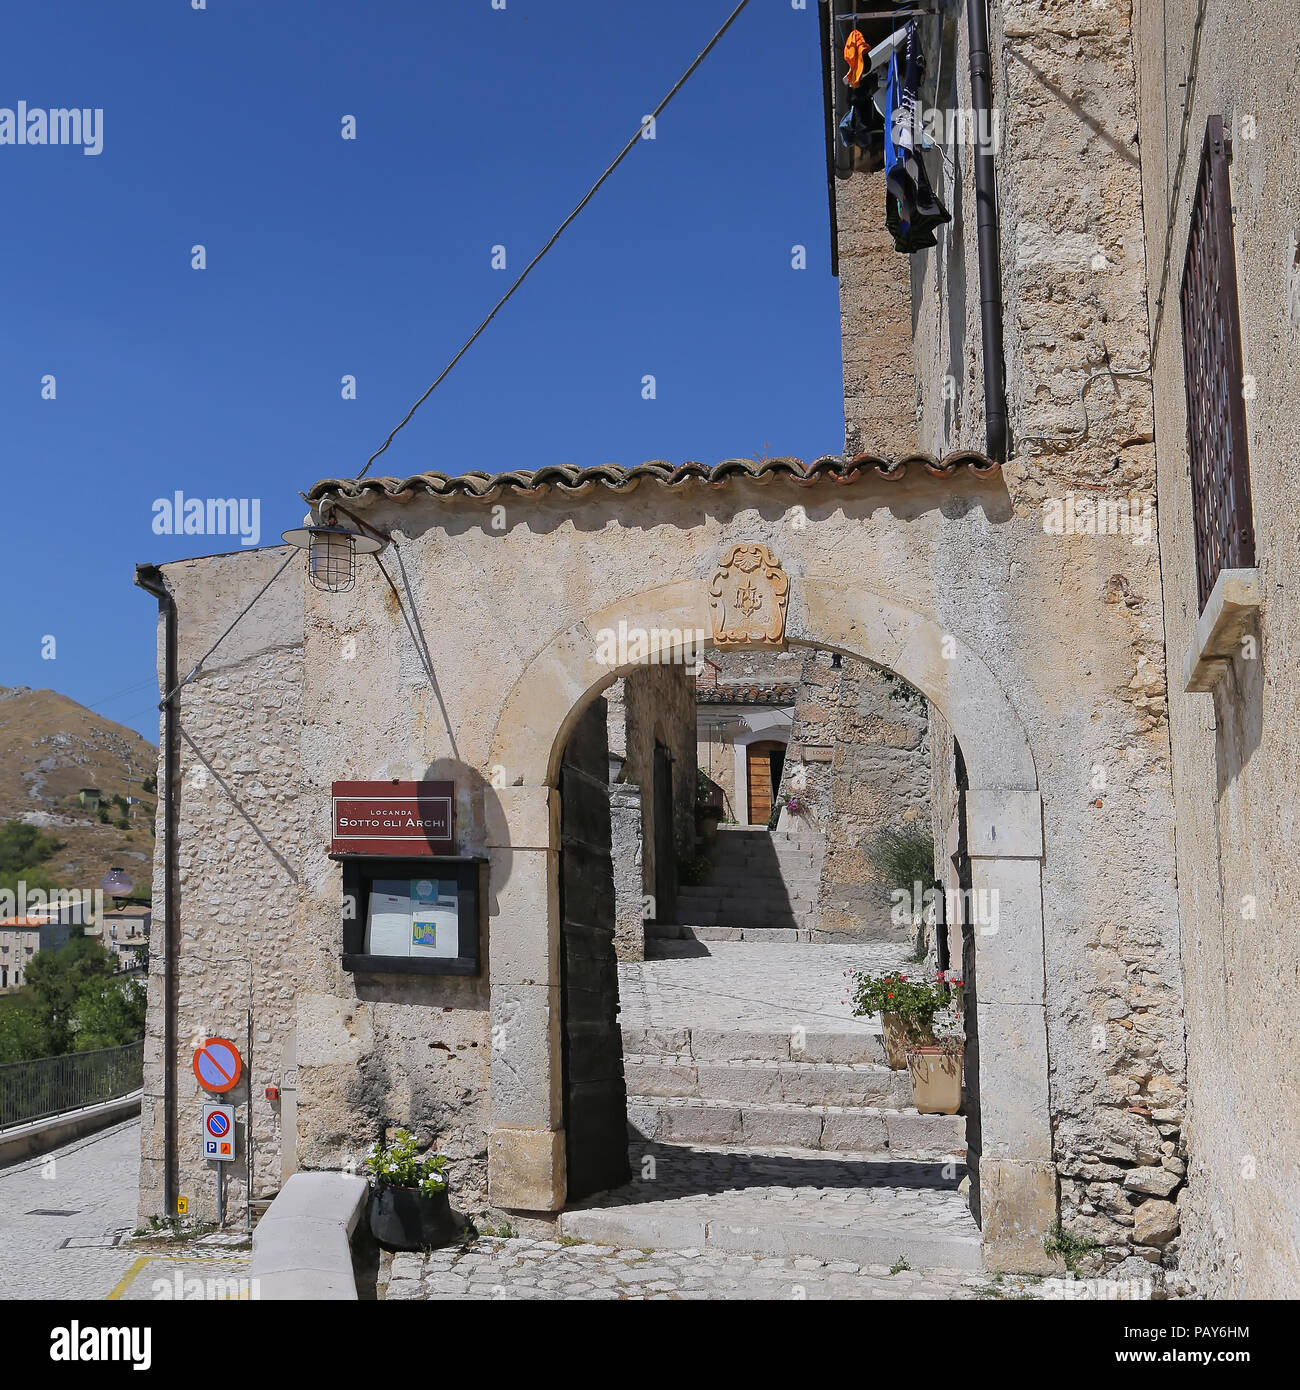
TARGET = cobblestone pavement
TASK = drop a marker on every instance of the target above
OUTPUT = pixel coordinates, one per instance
(757, 1186)
(510, 1269)
(761, 986)
(65, 1225)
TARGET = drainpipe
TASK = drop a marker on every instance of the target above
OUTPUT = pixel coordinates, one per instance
(986, 224)
(150, 579)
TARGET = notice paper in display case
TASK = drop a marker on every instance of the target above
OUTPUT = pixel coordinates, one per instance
(413, 917)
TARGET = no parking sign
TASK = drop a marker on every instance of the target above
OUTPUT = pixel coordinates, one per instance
(218, 1065)
(218, 1138)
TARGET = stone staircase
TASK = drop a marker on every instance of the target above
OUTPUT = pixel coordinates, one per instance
(764, 1090)
(763, 885)
(790, 1143)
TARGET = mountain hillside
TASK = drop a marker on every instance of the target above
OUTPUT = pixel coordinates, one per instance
(50, 748)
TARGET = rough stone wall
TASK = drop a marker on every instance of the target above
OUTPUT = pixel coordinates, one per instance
(660, 707)
(238, 857)
(944, 807)
(720, 724)
(1236, 773)
(876, 319)
(626, 848)
(863, 760)
(716, 728)
(1073, 274)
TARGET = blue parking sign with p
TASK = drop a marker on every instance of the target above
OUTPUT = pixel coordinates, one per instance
(218, 1134)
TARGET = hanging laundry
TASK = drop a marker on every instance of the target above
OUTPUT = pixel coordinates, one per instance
(863, 127)
(855, 55)
(911, 209)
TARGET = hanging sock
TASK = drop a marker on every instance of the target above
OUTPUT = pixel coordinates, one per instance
(863, 128)
(855, 55)
(905, 240)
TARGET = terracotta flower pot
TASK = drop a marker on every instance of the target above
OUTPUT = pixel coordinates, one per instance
(403, 1218)
(936, 1079)
(898, 1038)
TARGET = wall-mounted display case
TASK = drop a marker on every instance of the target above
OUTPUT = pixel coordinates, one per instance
(413, 915)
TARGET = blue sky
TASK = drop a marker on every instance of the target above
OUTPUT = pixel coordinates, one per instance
(475, 127)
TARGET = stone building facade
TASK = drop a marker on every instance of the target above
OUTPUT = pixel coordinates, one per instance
(1040, 649)
(238, 844)
(1073, 270)
(1235, 765)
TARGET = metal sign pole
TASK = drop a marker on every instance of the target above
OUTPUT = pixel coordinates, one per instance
(248, 1121)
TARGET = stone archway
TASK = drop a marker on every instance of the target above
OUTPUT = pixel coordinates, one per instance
(1004, 840)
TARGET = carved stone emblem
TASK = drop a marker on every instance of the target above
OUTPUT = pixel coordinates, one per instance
(748, 595)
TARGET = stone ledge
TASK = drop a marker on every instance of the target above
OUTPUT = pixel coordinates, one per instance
(1229, 613)
(302, 1247)
(40, 1136)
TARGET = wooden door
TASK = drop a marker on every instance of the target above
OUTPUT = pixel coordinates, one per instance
(762, 788)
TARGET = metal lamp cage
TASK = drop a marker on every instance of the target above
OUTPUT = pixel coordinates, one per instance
(332, 555)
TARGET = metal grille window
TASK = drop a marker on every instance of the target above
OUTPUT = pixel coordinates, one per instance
(1216, 412)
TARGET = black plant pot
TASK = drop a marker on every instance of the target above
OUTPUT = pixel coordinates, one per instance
(403, 1218)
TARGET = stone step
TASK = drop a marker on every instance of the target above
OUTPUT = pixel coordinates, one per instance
(742, 904)
(678, 942)
(750, 885)
(757, 833)
(707, 917)
(745, 895)
(741, 884)
(765, 865)
(861, 1209)
(666, 933)
(773, 1124)
(730, 914)
(864, 1044)
(853, 1084)
(875, 1240)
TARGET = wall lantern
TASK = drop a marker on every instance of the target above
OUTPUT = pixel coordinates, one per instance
(331, 554)
(117, 884)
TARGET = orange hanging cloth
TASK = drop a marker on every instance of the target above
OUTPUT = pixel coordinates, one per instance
(855, 55)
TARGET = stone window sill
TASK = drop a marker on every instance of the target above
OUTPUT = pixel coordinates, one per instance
(1229, 614)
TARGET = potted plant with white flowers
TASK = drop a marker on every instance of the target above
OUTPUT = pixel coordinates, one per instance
(409, 1209)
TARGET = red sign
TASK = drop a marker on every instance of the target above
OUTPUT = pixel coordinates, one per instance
(394, 818)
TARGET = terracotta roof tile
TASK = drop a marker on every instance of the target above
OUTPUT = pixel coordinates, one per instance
(570, 480)
(748, 693)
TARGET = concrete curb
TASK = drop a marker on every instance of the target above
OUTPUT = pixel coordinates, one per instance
(302, 1247)
(40, 1136)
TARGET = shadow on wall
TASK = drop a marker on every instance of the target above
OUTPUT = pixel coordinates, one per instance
(746, 885)
(1239, 717)
(428, 1066)
(225, 787)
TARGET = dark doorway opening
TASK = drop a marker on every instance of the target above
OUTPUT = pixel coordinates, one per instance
(595, 1096)
(665, 848)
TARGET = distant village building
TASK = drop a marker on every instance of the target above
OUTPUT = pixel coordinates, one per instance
(125, 932)
(21, 938)
(744, 721)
